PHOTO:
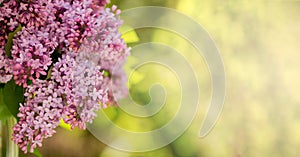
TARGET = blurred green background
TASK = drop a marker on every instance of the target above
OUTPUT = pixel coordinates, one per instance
(259, 43)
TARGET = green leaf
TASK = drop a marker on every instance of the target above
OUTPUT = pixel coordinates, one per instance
(9, 43)
(49, 73)
(128, 34)
(65, 125)
(13, 95)
(35, 151)
(4, 112)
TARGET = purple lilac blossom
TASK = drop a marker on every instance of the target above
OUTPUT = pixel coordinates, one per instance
(5, 68)
(39, 115)
(8, 21)
(31, 54)
(76, 42)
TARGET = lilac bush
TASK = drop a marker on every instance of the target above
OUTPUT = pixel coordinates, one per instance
(68, 56)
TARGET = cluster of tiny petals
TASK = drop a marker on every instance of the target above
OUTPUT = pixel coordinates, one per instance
(77, 23)
(62, 74)
(7, 24)
(8, 20)
(108, 42)
(118, 85)
(82, 82)
(5, 68)
(87, 88)
(31, 52)
(72, 117)
(35, 13)
(39, 115)
(99, 4)
(76, 41)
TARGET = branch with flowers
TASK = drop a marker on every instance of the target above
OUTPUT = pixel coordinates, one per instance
(59, 60)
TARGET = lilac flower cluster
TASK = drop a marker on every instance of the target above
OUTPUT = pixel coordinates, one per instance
(39, 115)
(5, 68)
(32, 49)
(68, 56)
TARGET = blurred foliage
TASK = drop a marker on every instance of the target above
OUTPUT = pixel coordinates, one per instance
(12, 96)
(4, 112)
(259, 43)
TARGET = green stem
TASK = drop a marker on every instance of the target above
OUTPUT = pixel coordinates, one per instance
(1, 139)
(12, 149)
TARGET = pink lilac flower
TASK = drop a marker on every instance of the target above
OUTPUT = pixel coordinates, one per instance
(110, 46)
(77, 21)
(62, 75)
(77, 44)
(88, 94)
(35, 13)
(31, 54)
(99, 4)
(105, 49)
(5, 67)
(7, 20)
(39, 115)
(119, 80)
(80, 81)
